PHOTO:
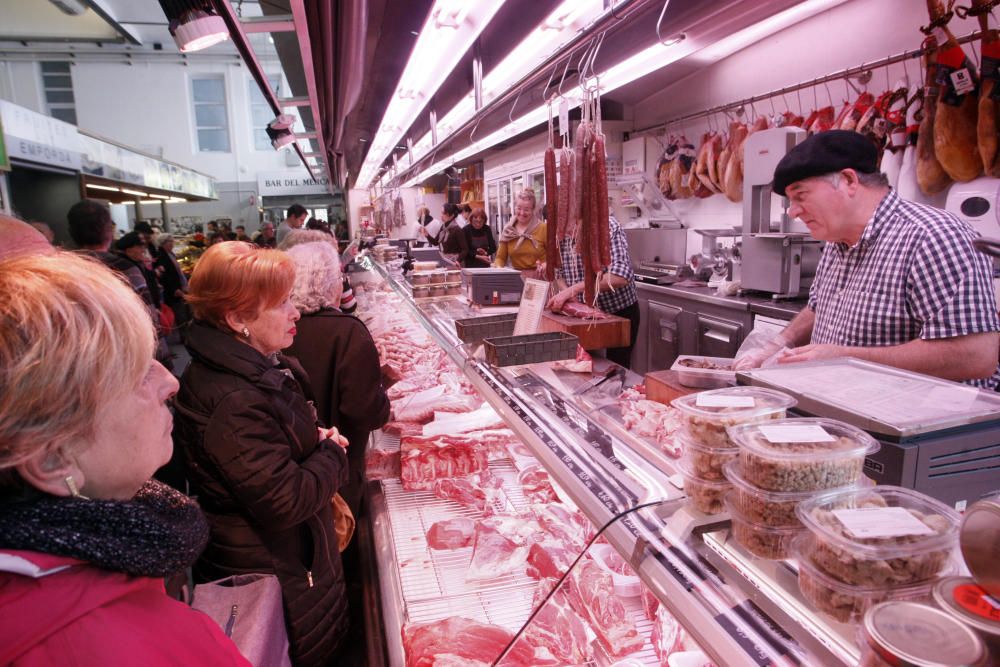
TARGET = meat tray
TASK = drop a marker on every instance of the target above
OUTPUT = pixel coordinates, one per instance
(530, 349)
(475, 329)
(704, 378)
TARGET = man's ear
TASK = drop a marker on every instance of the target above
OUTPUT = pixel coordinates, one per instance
(850, 179)
(48, 473)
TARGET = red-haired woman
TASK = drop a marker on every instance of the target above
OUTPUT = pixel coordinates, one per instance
(262, 469)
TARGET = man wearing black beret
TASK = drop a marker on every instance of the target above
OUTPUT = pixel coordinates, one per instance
(899, 283)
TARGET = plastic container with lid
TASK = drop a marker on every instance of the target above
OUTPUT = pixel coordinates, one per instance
(911, 633)
(626, 585)
(706, 462)
(421, 291)
(704, 372)
(770, 508)
(424, 266)
(705, 495)
(438, 276)
(964, 599)
(979, 538)
(454, 289)
(760, 540)
(420, 278)
(705, 416)
(802, 454)
(438, 290)
(847, 603)
(883, 536)
(453, 276)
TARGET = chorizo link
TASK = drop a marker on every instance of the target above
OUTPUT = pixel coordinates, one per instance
(551, 215)
(562, 206)
(603, 214)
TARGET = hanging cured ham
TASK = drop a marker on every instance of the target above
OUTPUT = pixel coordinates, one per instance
(955, 138)
(931, 175)
(732, 177)
(988, 127)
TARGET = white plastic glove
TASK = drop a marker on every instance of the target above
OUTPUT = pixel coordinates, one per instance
(757, 357)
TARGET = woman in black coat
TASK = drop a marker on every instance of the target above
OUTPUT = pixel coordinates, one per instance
(479, 239)
(339, 356)
(259, 464)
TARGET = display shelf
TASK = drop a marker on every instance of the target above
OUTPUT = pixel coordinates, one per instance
(605, 471)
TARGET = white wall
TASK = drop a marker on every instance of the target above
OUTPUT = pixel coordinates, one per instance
(21, 84)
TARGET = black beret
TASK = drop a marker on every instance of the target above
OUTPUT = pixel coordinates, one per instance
(130, 240)
(826, 153)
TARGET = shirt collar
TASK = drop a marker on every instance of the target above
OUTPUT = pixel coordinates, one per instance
(884, 212)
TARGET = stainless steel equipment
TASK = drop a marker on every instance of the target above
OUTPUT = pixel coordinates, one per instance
(492, 287)
(658, 246)
(651, 202)
(657, 273)
(775, 259)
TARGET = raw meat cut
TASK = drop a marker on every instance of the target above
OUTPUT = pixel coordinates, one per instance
(456, 638)
(574, 308)
(477, 491)
(823, 120)
(463, 422)
(550, 558)
(451, 533)
(667, 636)
(412, 385)
(537, 485)
(381, 464)
(663, 171)
(424, 460)
(520, 455)
(501, 546)
(591, 592)
(584, 363)
(650, 603)
(650, 419)
(856, 111)
(558, 629)
(567, 525)
(732, 171)
(931, 175)
(401, 429)
(711, 147)
(421, 406)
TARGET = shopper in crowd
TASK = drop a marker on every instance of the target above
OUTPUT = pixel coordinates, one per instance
(464, 213)
(265, 237)
(479, 238)
(262, 467)
(134, 250)
(341, 231)
(216, 238)
(146, 233)
(522, 242)
(172, 279)
(428, 227)
(241, 234)
(294, 219)
(339, 356)
(616, 293)
(347, 304)
(92, 230)
(85, 537)
(45, 230)
(20, 238)
(898, 283)
(319, 225)
(451, 239)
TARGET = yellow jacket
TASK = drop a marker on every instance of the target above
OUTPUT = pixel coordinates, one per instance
(524, 257)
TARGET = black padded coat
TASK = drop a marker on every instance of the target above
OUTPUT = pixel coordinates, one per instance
(248, 441)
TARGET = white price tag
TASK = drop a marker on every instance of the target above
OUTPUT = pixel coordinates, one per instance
(779, 433)
(878, 522)
(564, 117)
(962, 82)
(723, 401)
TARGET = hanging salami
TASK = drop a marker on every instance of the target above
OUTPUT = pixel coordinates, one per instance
(551, 214)
(603, 214)
(565, 188)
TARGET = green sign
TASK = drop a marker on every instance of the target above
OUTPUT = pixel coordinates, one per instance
(4, 160)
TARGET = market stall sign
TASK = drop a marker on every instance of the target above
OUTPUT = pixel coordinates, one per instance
(35, 137)
(285, 183)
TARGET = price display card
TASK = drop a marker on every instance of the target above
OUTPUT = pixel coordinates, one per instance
(533, 299)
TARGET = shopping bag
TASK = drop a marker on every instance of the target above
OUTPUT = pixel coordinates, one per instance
(167, 319)
(248, 609)
(343, 521)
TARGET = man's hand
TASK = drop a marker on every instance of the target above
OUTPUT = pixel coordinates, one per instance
(559, 299)
(332, 434)
(813, 353)
(759, 356)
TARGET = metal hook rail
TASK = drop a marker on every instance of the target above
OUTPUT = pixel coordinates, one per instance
(863, 69)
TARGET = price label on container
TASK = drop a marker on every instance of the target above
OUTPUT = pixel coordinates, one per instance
(880, 522)
(779, 433)
(723, 401)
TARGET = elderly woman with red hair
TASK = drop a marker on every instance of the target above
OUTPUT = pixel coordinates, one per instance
(259, 464)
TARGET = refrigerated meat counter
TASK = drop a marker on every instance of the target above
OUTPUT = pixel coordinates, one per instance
(739, 610)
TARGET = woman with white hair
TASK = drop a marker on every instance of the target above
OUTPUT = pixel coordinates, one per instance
(339, 356)
(172, 278)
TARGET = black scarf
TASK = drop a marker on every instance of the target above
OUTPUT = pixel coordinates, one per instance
(159, 532)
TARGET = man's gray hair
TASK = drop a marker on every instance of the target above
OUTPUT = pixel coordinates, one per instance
(300, 236)
(162, 238)
(318, 280)
(874, 179)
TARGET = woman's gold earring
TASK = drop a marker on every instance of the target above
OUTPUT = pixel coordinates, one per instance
(73, 491)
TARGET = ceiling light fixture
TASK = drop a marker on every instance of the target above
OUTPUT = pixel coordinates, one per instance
(94, 186)
(158, 196)
(135, 192)
(450, 29)
(194, 24)
(279, 132)
(641, 64)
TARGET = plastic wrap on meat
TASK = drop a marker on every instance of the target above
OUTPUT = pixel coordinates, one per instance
(567, 525)
(550, 558)
(412, 385)
(451, 533)
(463, 422)
(581, 310)
(461, 639)
(667, 636)
(650, 419)
(480, 491)
(423, 461)
(501, 546)
(591, 592)
(557, 629)
(381, 464)
(421, 406)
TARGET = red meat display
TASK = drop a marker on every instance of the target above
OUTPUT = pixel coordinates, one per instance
(451, 533)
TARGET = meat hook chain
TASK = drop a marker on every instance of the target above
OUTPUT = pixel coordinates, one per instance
(814, 83)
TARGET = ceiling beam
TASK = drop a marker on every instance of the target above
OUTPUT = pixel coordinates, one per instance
(286, 102)
(253, 24)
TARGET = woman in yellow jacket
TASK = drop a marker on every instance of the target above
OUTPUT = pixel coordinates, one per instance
(523, 240)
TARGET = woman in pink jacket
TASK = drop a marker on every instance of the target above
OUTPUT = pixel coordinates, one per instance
(85, 536)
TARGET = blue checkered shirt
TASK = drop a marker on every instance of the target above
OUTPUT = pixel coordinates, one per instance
(621, 265)
(913, 274)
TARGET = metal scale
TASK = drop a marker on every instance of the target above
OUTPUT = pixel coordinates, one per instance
(775, 258)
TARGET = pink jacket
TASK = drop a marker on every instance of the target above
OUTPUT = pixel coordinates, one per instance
(62, 611)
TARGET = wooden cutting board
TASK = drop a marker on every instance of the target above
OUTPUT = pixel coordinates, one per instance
(663, 387)
(593, 334)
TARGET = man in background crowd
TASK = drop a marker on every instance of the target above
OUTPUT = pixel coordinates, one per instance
(294, 219)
